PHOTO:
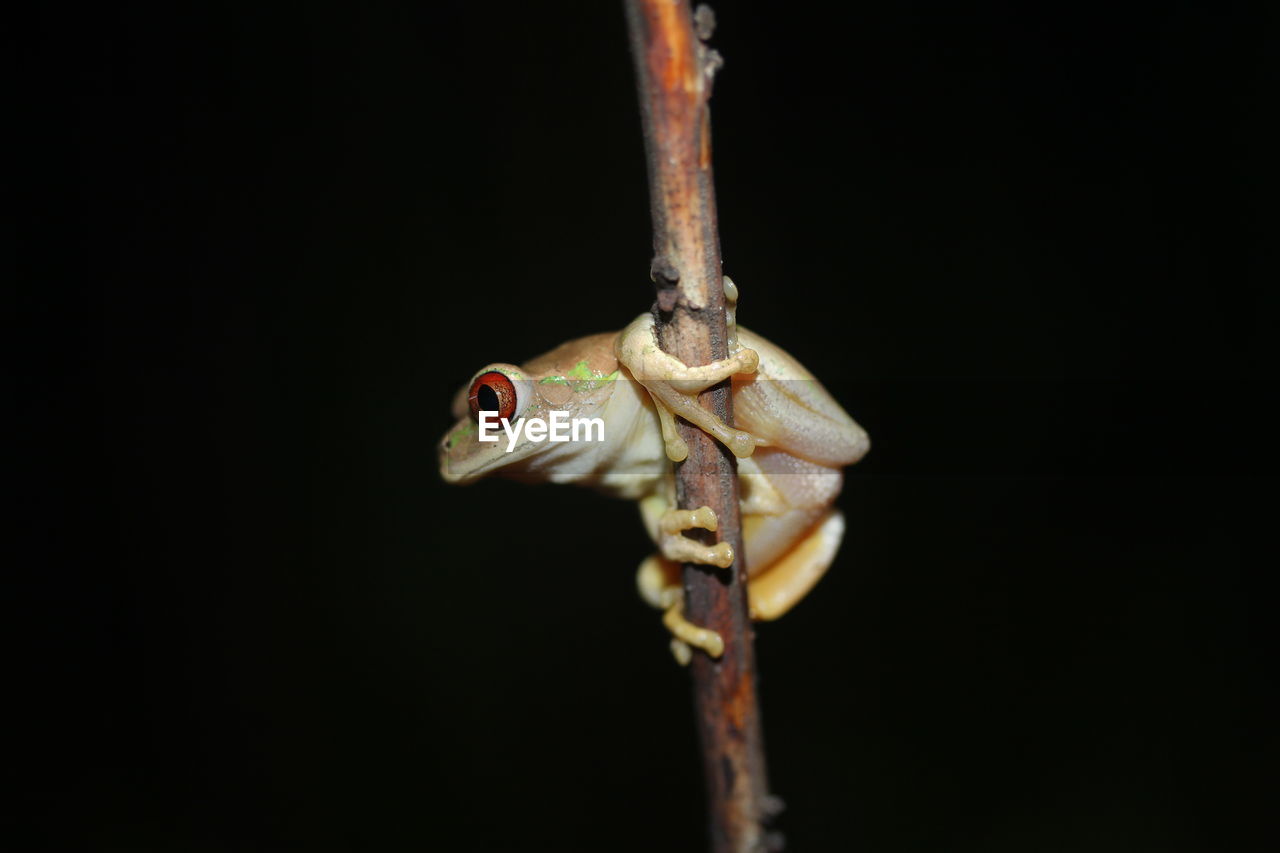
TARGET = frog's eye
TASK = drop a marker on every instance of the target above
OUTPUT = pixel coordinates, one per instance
(493, 391)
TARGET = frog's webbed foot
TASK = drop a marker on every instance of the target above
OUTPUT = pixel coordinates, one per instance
(659, 584)
(685, 636)
(659, 578)
(674, 386)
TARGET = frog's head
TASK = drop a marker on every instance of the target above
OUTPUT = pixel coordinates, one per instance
(573, 381)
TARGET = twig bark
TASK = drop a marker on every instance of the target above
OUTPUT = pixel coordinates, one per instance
(674, 71)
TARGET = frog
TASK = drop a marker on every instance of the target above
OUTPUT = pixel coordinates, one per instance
(791, 440)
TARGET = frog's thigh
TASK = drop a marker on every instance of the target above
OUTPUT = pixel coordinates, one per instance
(777, 588)
(656, 574)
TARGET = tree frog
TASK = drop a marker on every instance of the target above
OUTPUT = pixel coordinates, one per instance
(791, 439)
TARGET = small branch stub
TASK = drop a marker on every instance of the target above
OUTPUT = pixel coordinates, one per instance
(674, 71)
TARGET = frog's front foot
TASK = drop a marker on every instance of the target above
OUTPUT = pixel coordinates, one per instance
(674, 387)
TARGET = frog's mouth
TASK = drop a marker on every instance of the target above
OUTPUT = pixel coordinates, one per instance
(479, 460)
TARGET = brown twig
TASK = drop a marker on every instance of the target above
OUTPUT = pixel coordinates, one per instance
(674, 71)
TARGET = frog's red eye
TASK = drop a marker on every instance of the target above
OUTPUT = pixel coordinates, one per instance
(492, 392)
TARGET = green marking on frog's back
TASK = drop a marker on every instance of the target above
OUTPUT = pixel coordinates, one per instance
(583, 378)
(582, 370)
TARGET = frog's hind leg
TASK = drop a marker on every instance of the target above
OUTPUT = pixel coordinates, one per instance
(771, 591)
(776, 588)
(659, 583)
(659, 578)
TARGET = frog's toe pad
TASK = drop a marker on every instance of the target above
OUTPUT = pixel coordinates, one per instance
(676, 520)
(741, 444)
(681, 652)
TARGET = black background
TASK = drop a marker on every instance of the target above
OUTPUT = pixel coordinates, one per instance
(262, 247)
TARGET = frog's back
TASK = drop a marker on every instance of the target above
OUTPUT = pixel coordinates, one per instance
(592, 354)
